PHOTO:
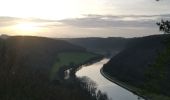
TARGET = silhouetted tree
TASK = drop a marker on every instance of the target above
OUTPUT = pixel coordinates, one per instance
(164, 26)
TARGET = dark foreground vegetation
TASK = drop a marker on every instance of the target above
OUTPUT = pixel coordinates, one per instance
(144, 64)
(25, 67)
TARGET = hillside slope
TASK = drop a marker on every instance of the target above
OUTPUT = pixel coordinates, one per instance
(143, 64)
(25, 65)
(100, 45)
(34, 53)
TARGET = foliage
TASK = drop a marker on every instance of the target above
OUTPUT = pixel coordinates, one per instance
(164, 26)
(158, 73)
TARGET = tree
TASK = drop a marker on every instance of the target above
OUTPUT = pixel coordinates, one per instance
(164, 26)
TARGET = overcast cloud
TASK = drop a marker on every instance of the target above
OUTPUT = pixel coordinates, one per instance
(92, 25)
(94, 21)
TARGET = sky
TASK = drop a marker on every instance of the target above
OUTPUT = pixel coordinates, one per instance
(82, 18)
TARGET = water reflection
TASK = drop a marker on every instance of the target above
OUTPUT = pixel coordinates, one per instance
(67, 74)
(113, 91)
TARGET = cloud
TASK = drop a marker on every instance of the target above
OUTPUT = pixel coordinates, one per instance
(90, 25)
(91, 21)
(99, 21)
(6, 21)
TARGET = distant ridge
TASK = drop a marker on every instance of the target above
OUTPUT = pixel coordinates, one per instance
(100, 45)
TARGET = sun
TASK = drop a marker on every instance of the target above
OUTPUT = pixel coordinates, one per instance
(26, 28)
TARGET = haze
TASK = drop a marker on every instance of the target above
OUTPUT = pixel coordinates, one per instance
(82, 18)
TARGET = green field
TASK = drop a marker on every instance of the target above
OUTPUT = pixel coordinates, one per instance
(67, 58)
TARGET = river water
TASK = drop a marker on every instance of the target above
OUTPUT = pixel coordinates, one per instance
(113, 91)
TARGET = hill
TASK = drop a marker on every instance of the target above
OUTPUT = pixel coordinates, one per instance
(26, 63)
(100, 45)
(143, 64)
(34, 53)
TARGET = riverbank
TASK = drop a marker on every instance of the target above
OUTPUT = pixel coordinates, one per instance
(75, 68)
(124, 85)
(71, 60)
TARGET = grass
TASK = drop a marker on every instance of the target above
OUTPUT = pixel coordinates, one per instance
(68, 58)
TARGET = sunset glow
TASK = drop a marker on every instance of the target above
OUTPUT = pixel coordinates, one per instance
(26, 28)
(82, 18)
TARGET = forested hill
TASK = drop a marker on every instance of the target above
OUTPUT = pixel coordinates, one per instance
(25, 67)
(100, 45)
(42, 51)
(145, 63)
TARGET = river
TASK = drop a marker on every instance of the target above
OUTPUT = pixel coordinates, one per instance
(113, 91)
